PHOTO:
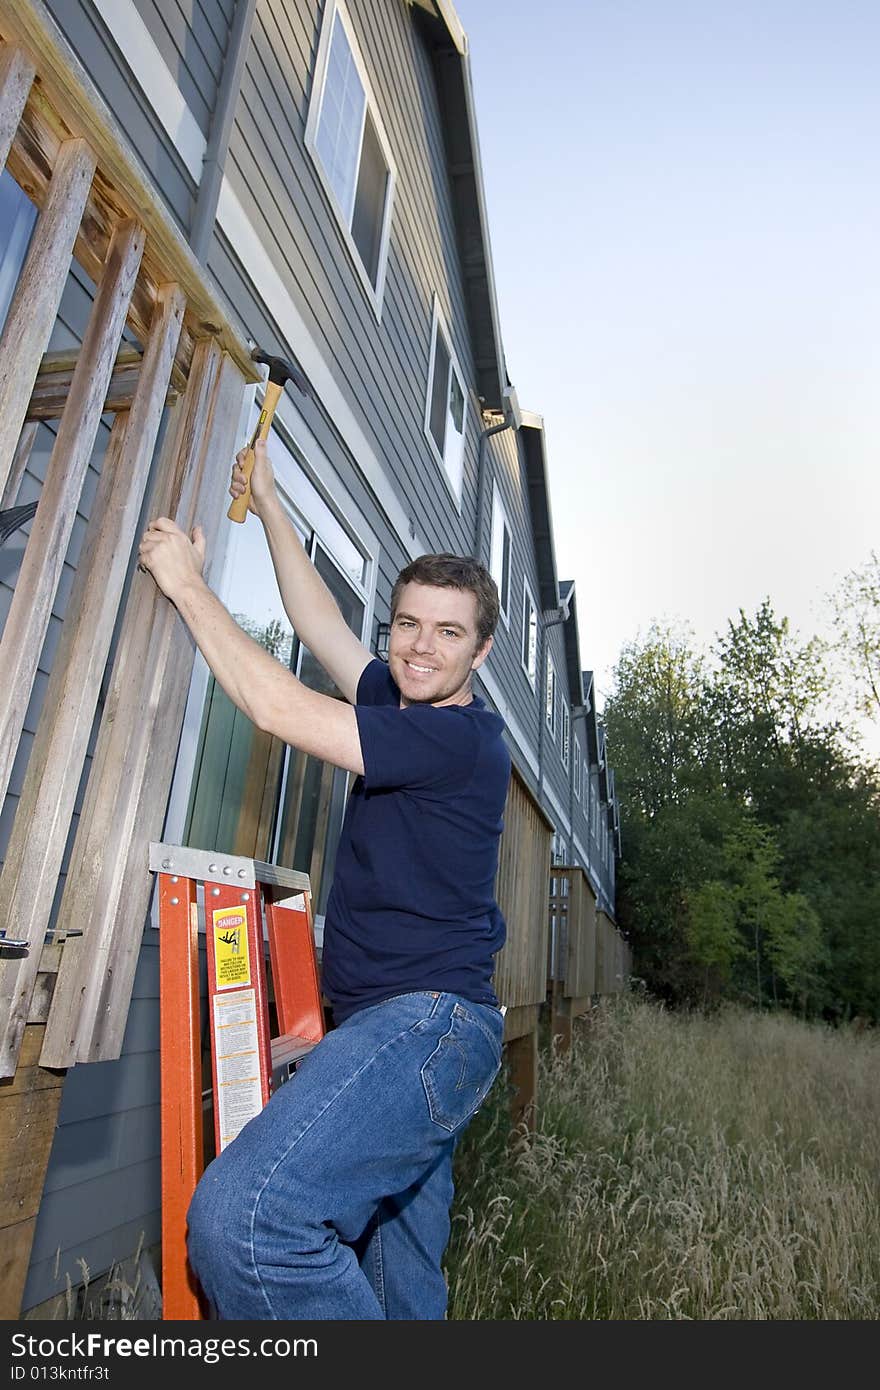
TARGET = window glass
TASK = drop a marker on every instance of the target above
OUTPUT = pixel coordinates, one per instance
(251, 794)
(369, 203)
(439, 388)
(350, 146)
(343, 105)
(17, 218)
(551, 697)
(500, 553)
(529, 636)
(445, 413)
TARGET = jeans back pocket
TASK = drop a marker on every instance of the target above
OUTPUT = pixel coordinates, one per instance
(459, 1072)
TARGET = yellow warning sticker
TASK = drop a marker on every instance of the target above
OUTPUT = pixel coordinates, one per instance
(231, 960)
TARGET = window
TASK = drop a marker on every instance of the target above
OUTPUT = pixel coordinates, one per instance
(17, 218)
(594, 809)
(577, 773)
(349, 146)
(250, 793)
(566, 734)
(445, 412)
(529, 652)
(499, 563)
(550, 706)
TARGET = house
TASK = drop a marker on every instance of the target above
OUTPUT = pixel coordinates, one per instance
(184, 182)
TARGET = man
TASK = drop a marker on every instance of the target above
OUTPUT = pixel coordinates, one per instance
(333, 1202)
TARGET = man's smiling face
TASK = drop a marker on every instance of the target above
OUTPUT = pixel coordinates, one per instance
(433, 646)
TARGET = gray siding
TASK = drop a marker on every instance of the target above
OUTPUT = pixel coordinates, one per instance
(191, 35)
(382, 367)
(103, 1187)
(87, 35)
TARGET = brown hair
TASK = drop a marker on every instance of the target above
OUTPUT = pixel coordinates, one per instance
(454, 572)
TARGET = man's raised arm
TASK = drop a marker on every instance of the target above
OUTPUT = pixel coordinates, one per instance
(309, 604)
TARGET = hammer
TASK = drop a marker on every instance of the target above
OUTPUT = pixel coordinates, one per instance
(280, 371)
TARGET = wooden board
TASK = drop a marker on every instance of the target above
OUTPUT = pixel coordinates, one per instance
(16, 76)
(38, 293)
(43, 561)
(108, 885)
(40, 830)
(28, 1115)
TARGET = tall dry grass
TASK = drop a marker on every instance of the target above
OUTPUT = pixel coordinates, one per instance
(684, 1167)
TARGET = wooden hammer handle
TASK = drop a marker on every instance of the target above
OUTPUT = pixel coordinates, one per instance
(239, 507)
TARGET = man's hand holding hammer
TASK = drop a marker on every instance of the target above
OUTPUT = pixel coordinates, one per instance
(262, 479)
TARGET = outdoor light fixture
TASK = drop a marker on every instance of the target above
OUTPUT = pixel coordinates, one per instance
(383, 638)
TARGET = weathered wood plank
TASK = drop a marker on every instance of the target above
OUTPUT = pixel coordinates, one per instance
(65, 102)
(54, 379)
(16, 75)
(38, 293)
(28, 1116)
(108, 885)
(15, 1252)
(521, 887)
(44, 556)
(39, 833)
(522, 1071)
(19, 464)
(50, 396)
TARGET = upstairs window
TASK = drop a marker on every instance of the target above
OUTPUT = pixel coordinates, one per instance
(550, 710)
(566, 734)
(529, 635)
(499, 564)
(577, 773)
(345, 136)
(445, 407)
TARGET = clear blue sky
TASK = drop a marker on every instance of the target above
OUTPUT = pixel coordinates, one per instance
(684, 212)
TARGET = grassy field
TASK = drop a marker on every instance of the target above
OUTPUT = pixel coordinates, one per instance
(684, 1167)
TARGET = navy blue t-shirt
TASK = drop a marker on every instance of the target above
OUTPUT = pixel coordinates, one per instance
(412, 905)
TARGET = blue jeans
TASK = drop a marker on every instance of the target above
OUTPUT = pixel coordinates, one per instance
(333, 1202)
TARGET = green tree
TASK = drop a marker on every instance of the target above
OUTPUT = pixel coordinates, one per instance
(750, 828)
(712, 936)
(856, 610)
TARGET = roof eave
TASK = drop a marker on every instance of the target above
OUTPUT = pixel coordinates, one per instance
(451, 60)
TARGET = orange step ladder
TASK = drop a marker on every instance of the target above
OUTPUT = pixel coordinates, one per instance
(244, 904)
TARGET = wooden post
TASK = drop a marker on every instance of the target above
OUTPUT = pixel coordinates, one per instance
(16, 76)
(43, 561)
(39, 832)
(28, 1116)
(38, 293)
(108, 886)
(522, 1063)
(19, 464)
(560, 1019)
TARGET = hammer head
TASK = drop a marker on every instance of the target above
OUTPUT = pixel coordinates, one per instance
(281, 371)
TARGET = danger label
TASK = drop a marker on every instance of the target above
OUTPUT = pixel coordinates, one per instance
(231, 960)
(236, 1047)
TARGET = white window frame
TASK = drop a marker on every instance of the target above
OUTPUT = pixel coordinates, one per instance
(550, 700)
(345, 216)
(529, 598)
(451, 460)
(500, 528)
(566, 735)
(576, 772)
